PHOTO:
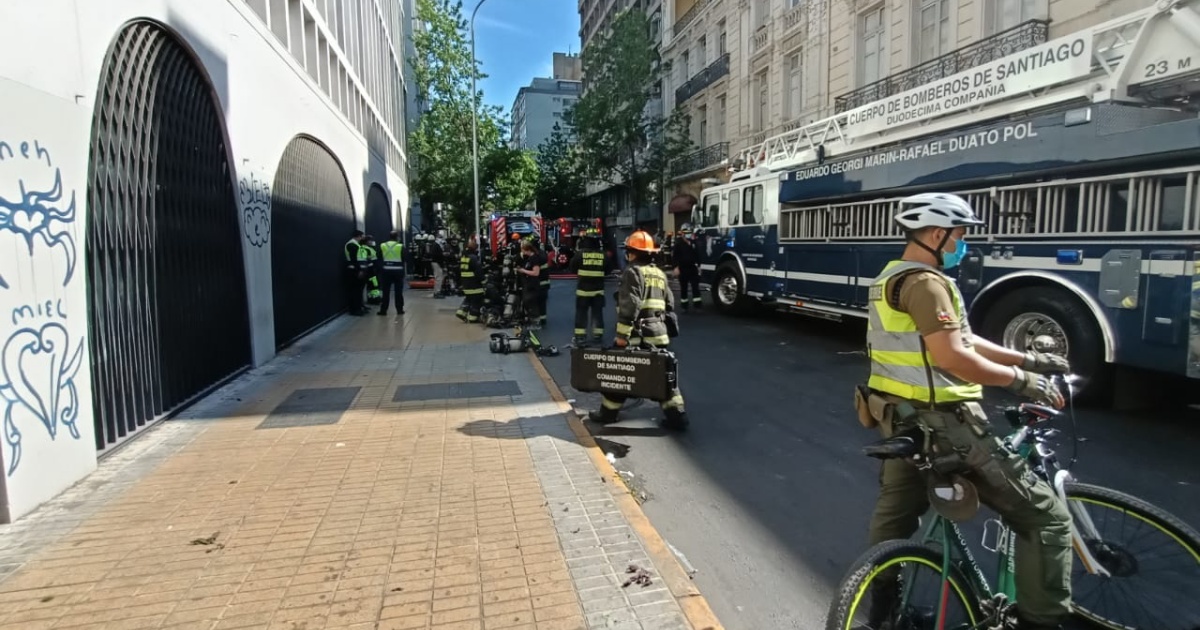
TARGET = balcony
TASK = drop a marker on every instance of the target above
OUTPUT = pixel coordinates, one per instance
(1013, 40)
(702, 79)
(760, 41)
(794, 17)
(689, 17)
(704, 159)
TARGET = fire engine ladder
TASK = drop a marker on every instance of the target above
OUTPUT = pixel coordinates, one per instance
(1144, 56)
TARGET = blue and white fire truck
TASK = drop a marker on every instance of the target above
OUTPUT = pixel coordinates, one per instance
(1081, 154)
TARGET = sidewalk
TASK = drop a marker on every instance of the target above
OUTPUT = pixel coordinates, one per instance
(384, 473)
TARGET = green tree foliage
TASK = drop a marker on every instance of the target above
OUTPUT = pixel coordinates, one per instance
(561, 180)
(619, 141)
(441, 143)
(512, 177)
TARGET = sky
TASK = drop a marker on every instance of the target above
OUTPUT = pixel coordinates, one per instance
(515, 40)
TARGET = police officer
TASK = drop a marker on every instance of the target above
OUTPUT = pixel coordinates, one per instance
(642, 300)
(355, 272)
(930, 370)
(470, 273)
(531, 284)
(589, 264)
(687, 267)
(392, 275)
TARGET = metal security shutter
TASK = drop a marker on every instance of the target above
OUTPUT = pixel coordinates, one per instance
(312, 217)
(378, 216)
(166, 283)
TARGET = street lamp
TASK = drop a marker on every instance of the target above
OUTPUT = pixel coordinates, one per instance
(475, 122)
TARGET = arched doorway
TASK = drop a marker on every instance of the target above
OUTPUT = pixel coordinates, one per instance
(312, 217)
(167, 303)
(378, 215)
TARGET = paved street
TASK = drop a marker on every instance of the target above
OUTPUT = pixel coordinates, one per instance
(767, 496)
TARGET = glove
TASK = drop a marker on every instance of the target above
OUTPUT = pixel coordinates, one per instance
(620, 342)
(1044, 362)
(1037, 388)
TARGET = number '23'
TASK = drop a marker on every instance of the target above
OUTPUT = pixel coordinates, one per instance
(1157, 68)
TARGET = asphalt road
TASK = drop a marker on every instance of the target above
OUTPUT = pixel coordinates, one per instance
(767, 496)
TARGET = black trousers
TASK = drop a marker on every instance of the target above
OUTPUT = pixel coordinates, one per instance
(388, 280)
(543, 300)
(589, 310)
(531, 302)
(354, 290)
(689, 277)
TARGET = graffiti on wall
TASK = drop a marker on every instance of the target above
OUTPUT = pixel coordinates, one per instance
(39, 361)
(255, 196)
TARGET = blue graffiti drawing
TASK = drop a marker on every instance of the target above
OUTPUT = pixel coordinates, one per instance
(256, 210)
(38, 214)
(38, 368)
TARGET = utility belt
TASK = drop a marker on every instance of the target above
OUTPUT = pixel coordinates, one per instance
(876, 409)
(669, 319)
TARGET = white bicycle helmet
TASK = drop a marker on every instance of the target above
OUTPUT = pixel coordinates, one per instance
(935, 210)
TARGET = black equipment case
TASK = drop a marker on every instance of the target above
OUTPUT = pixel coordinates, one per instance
(649, 374)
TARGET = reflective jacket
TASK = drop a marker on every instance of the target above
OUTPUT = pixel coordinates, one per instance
(900, 363)
(353, 253)
(642, 299)
(393, 255)
(589, 265)
(470, 273)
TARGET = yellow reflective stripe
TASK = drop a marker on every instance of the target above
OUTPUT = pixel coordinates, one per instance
(582, 293)
(545, 283)
(472, 291)
(610, 404)
(467, 274)
(921, 394)
(660, 340)
(588, 273)
(624, 329)
(654, 304)
(579, 332)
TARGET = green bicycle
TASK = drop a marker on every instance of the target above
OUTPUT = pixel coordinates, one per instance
(1138, 569)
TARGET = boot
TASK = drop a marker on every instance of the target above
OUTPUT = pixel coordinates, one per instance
(676, 419)
(602, 416)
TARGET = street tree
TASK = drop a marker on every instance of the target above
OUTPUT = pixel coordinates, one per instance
(562, 182)
(441, 144)
(512, 177)
(620, 140)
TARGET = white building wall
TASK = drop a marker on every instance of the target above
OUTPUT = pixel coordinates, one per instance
(51, 58)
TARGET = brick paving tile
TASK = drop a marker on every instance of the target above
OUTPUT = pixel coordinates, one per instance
(449, 514)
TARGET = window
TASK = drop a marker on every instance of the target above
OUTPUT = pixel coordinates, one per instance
(721, 50)
(719, 136)
(792, 4)
(685, 71)
(735, 207)
(702, 126)
(762, 13)
(934, 34)
(871, 47)
(702, 51)
(710, 212)
(752, 205)
(793, 85)
(759, 96)
(1005, 14)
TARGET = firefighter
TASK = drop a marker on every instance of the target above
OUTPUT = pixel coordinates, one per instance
(356, 273)
(928, 372)
(543, 281)
(531, 284)
(642, 300)
(471, 274)
(391, 277)
(590, 264)
(687, 267)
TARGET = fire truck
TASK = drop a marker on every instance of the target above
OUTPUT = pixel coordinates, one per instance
(1082, 156)
(502, 225)
(562, 240)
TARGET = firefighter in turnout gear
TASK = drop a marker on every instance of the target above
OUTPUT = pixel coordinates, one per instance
(642, 301)
(928, 372)
(470, 273)
(590, 264)
(687, 268)
(391, 277)
(543, 281)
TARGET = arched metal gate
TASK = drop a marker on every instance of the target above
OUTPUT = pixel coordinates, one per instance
(312, 217)
(166, 282)
(378, 216)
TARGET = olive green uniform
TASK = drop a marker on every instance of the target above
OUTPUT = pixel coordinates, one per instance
(910, 301)
(642, 299)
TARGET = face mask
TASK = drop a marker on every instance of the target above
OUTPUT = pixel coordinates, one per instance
(950, 260)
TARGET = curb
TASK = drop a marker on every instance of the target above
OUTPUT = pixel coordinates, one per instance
(695, 608)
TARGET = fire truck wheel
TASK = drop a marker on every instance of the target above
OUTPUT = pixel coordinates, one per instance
(1045, 319)
(729, 293)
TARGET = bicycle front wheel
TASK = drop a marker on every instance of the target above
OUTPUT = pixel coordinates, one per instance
(898, 584)
(1153, 559)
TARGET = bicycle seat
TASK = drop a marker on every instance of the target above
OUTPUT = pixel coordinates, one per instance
(902, 445)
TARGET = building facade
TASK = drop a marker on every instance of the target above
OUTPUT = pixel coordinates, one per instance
(746, 70)
(177, 181)
(539, 108)
(610, 200)
(567, 66)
